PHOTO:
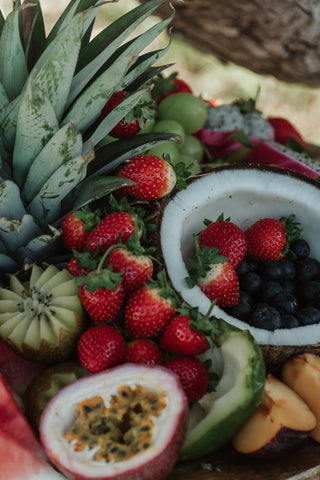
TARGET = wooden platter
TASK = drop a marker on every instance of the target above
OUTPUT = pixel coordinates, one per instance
(227, 464)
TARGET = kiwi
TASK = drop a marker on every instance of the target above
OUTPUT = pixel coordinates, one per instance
(42, 318)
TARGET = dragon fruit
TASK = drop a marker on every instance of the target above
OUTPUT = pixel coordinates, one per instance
(224, 121)
(274, 153)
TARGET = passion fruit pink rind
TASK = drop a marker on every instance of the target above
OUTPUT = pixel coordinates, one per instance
(145, 399)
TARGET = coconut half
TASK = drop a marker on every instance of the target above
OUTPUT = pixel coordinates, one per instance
(245, 193)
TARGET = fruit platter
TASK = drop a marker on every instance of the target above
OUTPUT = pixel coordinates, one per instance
(159, 266)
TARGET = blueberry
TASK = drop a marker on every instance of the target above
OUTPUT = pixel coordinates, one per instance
(289, 286)
(288, 269)
(289, 321)
(269, 290)
(307, 268)
(285, 302)
(300, 248)
(309, 292)
(247, 265)
(308, 315)
(243, 309)
(265, 316)
(271, 271)
(251, 282)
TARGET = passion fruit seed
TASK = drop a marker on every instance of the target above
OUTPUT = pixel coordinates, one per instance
(119, 431)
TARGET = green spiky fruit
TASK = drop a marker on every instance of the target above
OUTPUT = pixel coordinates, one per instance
(52, 89)
(42, 319)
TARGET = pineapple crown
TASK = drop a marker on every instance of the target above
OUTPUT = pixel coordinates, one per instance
(52, 90)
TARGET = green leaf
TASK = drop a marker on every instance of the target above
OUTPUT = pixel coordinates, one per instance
(33, 32)
(36, 123)
(107, 124)
(16, 233)
(56, 73)
(7, 264)
(75, 6)
(8, 122)
(88, 106)
(13, 66)
(99, 50)
(46, 205)
(111, 156)
(39, 247)
(92, 189)
(64, 145)
(11, 205)
(4, 99)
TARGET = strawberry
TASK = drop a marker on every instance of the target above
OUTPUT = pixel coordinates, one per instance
(133, 261)
(284, 131)
(82, 263)
(163, 87)
(193, 376)
(154, 177)
(74, 268)
(226, 236)
(133, 122)
(268, 239)
(150, 309)
(215, 276)
(101, 347)
(76, 227)
(108, 231)
(189, 332)
(101, 292)
(144, 351)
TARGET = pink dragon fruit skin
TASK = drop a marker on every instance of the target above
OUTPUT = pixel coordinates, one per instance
(273, 153)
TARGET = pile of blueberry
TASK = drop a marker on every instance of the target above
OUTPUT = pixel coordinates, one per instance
(282, 294)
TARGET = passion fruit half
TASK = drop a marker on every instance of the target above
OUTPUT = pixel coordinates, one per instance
(125, 423)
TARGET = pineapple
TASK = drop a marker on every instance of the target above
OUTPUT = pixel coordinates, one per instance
(53, 159)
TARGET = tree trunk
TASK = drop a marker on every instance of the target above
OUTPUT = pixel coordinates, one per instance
(269, 37)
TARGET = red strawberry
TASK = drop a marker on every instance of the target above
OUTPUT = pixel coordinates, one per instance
(154, 177)
(163, 87)
(82, 263)
(150, 309)
(226, 236)
(101, 347)
(101, 292)
(132, 123)
(76, 227)
(74, 268)
(107, 232)
(215, 276)
(269, 238)
(189, 332)
(193, 376)
(284, 131)
(143, 351)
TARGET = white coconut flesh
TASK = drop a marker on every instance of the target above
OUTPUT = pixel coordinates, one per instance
(165, 393)
(246, 194)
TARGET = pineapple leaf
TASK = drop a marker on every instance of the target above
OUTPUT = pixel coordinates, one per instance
(7, 264)
(91, 189)
(36, 123)
(88, 106)
(56, 73)
(2, 21)
(13, 66)
(4, 99)
(33, 32)
(8, 122)
(41, 246)
(111, 156)
(64, 145)
(46, 205)
(138, 75)
(16, 233)
(11, 205)
(138, 44)
(107, 124)
(93, 57)
(75, 6)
